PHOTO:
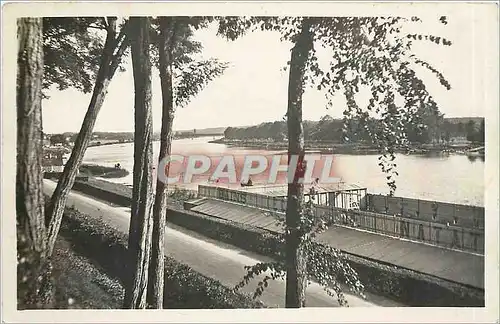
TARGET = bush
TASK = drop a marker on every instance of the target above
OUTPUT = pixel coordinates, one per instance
(184, 287)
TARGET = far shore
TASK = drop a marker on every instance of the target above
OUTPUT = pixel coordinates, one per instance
(326, 148)
(93, 144)
(94, 171)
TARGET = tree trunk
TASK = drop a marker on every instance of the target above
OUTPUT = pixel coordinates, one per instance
(33, 270)
(295, 258)
(108, 66)
(157, 266)
(139, 241)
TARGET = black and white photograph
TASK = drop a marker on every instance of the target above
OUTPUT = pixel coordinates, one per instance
(336, 158)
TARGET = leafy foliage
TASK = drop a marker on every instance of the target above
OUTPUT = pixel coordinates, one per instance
(328, 266)
(191, 73)
(58, 139)
(475, 133)
(372, 53)
(192, 78)
(72, 51)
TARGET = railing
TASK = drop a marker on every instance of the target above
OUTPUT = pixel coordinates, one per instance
(450, 236)
(420, 230)
(247, 198)
(438, 212)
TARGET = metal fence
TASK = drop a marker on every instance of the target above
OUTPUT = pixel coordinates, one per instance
(437, 212)
(421, 230)
(252, 199)
(450, 236)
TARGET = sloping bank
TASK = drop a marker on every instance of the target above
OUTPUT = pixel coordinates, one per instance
(402, 285)
(184, 287)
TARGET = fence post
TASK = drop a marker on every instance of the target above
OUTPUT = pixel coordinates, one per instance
(402, 207)
(463, 242)
(434, 210)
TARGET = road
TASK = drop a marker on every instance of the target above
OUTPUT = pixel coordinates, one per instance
(211, 258)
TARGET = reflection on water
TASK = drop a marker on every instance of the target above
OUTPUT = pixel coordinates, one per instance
(473, 158)
(442, 177)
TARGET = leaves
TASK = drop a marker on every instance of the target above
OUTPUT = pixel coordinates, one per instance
(373, 53)
(72, 51)
(273, 270)
(434, 39)
(192, 78)
(438, 74)
(190, 73)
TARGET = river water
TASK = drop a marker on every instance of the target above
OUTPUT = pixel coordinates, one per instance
(447, 178)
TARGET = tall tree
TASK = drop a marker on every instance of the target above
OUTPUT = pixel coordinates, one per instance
(33, 269)
(181, 78)
(140, 232)
(157, 267)
(367, 52)
(295, 258)
(114, 48)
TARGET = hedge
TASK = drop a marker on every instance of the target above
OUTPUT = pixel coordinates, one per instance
(184, 287)
(112, 197)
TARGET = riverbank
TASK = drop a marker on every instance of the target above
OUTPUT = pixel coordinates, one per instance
(110, 142)
(330, 147)
(94, 170)
(90, 171)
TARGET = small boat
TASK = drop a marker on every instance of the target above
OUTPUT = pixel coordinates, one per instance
(478, 151)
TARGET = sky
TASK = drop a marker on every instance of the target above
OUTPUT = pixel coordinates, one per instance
(254, 87)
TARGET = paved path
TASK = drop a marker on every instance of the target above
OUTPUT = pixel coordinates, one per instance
(457, 266)
(212, 258)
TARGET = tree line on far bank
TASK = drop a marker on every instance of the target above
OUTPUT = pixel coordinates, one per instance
(328, 129)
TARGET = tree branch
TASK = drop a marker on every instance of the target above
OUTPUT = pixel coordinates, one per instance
(104, 22)
(98, 27)
(116, 58)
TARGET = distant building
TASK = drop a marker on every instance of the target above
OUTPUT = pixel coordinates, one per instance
(53, 160)
(459, 141)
